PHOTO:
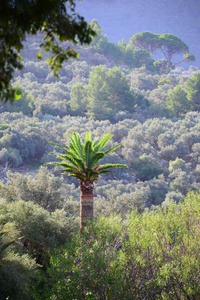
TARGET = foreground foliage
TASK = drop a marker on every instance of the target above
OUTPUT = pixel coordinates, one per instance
(150, 256)
(40, 233)
(57, 21)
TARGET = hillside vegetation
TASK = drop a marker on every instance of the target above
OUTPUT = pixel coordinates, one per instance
(144, 241)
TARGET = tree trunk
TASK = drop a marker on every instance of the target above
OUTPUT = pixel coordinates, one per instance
(168, 63)
(86, 202)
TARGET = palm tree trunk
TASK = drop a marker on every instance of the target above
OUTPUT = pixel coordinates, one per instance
(86, 202)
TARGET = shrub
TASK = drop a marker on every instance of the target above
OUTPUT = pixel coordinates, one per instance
(44, 189)
(153, 256)
(41, 232)
(146, 167)
(16, 270)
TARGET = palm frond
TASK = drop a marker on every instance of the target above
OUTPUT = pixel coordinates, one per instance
(59, 146)
(55, 163)
(75, 161)
(103, 172)
(70, 137)
(112, 149)
(108, 166)
(73, 145)
(96, 158)
(103, 142)
(87, 137)
(78, 176)
(78, 143)
(95, 142)
(81, 159)
(87, 150)
(90, 173)
(69, 170)
(72, 152)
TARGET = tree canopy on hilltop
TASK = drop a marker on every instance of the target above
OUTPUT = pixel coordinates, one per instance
(169, 44)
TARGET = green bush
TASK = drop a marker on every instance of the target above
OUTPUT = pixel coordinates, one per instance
(16, 270)
(16, 276)
(153, 256)
(11, 156)
(43, 189)
(146, 167)
(42, 232)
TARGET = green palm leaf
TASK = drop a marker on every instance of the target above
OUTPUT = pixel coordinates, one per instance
(78, 143)
(91, 174)
(69, 170)
(112, 149)
(75, 161)
(104, 172)
(104, 141)
(73, 145)
(63, 164)
(95, 143)
(87, 150)
(108, 166)
(78, 176)
(96, 158)
(57, 145)
(87, 137)
(81, 159)
(72, 152)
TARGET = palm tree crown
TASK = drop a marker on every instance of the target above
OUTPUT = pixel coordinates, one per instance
(81, 159)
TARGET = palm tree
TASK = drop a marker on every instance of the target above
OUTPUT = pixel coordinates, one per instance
(81, 160)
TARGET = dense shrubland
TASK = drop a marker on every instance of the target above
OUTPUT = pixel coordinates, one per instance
(97, 69)
(145, 239)
(153, 255)
(150, 148)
